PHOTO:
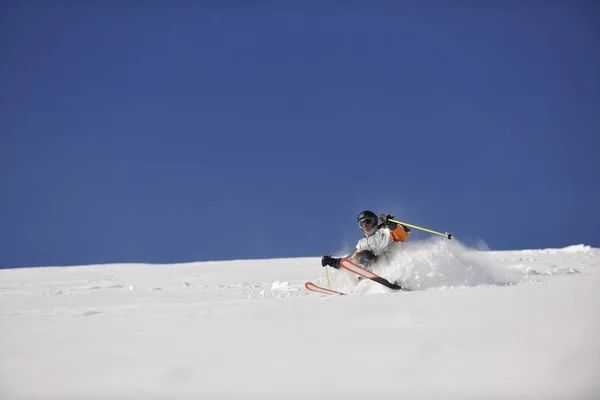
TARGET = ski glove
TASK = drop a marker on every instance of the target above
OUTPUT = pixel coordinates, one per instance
(331, 261)
(384, 218)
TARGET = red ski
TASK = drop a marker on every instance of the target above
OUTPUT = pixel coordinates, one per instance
(351, 266)
(318, 289)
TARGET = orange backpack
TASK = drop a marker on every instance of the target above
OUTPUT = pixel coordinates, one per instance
(399, 234)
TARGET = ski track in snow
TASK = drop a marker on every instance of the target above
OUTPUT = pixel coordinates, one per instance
(249, 329)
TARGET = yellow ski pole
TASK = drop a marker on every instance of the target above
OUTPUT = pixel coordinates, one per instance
(327, 270)
(446, 234)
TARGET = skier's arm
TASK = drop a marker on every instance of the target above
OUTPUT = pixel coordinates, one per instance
(398, 232)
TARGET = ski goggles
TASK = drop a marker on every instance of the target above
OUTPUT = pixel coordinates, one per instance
(366, 221)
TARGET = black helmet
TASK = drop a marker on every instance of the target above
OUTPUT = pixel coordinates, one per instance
(367, 215)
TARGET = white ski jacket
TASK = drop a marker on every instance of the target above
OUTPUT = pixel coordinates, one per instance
(378, 240)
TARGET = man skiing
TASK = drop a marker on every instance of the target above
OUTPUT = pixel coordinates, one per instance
(378, 240)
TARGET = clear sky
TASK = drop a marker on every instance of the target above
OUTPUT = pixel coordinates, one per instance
(180, 131)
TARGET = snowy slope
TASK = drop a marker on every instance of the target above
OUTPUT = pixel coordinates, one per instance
(514, 324)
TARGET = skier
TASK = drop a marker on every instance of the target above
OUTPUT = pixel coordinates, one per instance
(378, 241)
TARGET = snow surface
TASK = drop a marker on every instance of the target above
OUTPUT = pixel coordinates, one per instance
(478, 324)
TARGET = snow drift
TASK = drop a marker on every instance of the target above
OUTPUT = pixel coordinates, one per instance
(515, 324)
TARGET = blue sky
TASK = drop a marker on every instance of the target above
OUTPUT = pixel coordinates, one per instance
(186, 132)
